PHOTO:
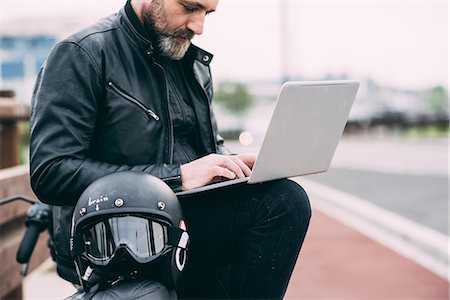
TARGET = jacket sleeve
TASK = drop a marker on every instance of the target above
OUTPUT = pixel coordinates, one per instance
(63, 115)
(220, 142)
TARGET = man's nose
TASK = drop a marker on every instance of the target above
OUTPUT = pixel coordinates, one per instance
(196, 22)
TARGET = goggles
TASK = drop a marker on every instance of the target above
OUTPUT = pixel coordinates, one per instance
(143, 238)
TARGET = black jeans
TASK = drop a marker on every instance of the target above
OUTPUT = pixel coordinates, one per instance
(245, 240)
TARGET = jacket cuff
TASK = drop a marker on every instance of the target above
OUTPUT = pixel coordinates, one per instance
(174, 181)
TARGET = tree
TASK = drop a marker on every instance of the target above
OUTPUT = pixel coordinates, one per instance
(436, 100)
(233, 96)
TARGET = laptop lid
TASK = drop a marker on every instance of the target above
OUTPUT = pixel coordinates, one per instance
(305, 128)
(303, 133)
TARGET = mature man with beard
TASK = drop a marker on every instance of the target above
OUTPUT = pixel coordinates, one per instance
(132, 93)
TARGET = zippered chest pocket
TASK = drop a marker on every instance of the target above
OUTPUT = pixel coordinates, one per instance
(150, 113)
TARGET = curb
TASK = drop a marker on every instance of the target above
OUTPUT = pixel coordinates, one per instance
(425, 246)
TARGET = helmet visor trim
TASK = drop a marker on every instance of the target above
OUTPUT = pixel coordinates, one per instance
(143, 238)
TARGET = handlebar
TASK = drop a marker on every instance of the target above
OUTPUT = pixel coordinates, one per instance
(36, 221)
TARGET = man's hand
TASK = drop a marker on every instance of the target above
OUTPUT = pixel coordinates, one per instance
(202, 171)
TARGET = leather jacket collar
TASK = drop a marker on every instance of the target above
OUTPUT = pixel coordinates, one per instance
(144, 42)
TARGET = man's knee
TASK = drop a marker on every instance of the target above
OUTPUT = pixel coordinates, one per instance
(292, 202)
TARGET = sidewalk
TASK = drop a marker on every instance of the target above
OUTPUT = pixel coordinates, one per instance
(337, 262)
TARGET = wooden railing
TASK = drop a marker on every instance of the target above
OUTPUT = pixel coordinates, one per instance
(14, 180)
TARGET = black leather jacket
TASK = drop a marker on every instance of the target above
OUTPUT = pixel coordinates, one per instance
(100, 106)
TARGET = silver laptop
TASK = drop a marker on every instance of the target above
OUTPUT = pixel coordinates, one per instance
(303, 133)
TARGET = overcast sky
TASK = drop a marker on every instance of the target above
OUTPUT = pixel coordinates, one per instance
(398, 43)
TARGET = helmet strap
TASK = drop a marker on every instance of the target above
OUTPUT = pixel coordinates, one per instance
(94, 276)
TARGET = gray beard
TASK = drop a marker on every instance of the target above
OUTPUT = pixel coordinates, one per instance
(167, 41)
(172, 47)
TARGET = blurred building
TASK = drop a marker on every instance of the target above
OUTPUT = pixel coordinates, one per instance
(21, 57)
(376, 106)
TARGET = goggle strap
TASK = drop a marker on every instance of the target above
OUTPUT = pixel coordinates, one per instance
(177, 237)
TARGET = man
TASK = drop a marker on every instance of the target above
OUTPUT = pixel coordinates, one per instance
(132, 93)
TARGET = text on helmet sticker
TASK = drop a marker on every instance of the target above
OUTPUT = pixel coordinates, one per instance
(101, 199)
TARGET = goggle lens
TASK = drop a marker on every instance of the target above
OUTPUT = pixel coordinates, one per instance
(143, 237)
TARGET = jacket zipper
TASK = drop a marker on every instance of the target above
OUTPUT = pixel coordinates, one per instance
(171, 138)
(178, 177)
(147, 110)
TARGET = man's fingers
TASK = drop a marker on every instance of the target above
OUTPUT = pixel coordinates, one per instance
(242, 165)
(248, 158)
(224, 172)
(201, 171)
(231, 165)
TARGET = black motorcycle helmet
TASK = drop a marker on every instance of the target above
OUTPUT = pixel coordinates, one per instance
(128, 225)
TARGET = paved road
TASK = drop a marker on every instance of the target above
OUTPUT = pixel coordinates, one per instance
(422, 198)
(406, 176)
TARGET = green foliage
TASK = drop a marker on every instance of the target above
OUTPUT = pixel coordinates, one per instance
(437, 100)
(426, 131)
(233, 96)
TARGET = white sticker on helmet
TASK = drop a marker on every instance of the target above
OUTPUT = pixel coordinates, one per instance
(183, 240)
(180, 259)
